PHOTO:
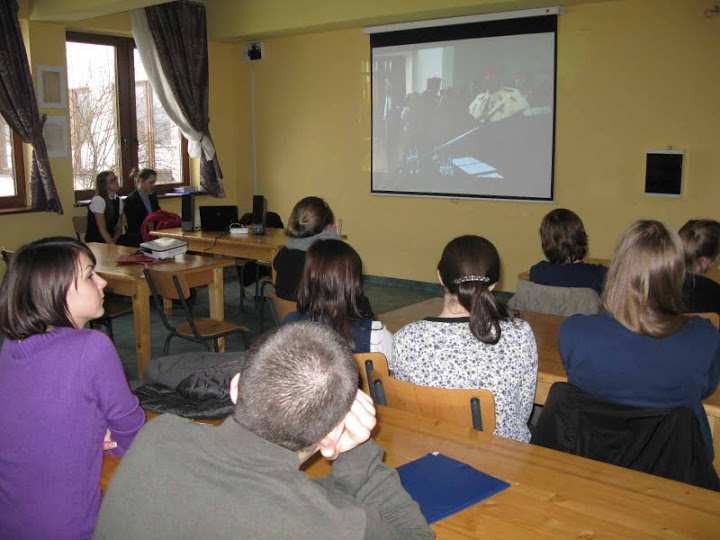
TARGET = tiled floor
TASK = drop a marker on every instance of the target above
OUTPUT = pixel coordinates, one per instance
(383, 298)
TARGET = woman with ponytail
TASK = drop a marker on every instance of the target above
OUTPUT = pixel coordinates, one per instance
(474, 342)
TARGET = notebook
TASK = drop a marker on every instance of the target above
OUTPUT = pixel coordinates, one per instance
(443, 486)
(217, 218)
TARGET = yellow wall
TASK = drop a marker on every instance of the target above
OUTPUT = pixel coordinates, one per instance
(632, 76)
(228, 124)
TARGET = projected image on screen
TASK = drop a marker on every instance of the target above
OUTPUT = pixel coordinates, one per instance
(465, 117)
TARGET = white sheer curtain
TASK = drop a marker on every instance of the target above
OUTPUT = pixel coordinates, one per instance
(197, 142)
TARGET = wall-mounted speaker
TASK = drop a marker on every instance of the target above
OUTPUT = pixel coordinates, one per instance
(664, 172)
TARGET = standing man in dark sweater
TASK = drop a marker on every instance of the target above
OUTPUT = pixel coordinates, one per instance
(297, 394)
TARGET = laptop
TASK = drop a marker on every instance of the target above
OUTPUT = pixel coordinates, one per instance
(217, 218)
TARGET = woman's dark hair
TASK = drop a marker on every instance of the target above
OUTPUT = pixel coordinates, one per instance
(144, 174)
(34, 290)
(309, 217)
(331, 287)
(700, 238)
(468, 267)
(101, 184)
(563, 237)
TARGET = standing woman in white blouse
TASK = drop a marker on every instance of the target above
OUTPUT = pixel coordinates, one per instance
(474, 342)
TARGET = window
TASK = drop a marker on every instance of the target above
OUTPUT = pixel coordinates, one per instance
(116, 120)
(12, 170)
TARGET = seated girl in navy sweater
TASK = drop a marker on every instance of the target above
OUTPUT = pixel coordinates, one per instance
(331, 292)
(701, 240)
(565, 242)
(643, 352)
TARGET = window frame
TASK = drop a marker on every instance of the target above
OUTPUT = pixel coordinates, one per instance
(19, 200)
(127, 117)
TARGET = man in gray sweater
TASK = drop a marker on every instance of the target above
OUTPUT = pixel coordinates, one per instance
(296, 394)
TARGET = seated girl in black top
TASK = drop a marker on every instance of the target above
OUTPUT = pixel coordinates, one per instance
(331, 292)
(105, 213)
(701, 242)
(311, 219)
(564, 242)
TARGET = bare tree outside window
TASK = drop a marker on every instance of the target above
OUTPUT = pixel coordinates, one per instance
(159, 139)
(93, 112)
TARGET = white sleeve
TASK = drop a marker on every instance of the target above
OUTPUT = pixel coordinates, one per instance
(97, 205)
(381, 340)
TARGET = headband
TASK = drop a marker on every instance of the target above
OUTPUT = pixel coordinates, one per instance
(471, 278)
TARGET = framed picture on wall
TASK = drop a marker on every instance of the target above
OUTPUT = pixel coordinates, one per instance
(55, 132)
(51, 87)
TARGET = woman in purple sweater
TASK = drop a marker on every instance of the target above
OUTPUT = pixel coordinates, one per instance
(64, 399)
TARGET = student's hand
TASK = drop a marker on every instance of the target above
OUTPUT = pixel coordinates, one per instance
(355, 429)
(133, 174)
(108, 443)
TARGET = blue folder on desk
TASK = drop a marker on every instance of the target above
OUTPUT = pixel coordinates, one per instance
(443, 486)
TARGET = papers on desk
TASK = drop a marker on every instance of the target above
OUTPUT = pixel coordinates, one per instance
(443, 486)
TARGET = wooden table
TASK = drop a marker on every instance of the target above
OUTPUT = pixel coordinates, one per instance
(128, 280)
(552, 494)
(248, 246)
(550, 367)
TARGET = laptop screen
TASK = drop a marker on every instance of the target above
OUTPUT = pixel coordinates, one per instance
(217, 218)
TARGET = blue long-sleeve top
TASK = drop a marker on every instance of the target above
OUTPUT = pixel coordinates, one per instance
(615, 364)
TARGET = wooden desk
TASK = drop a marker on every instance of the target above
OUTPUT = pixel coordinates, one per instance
(550, 367)
(261, 247)
(128, 280)
(552, 494)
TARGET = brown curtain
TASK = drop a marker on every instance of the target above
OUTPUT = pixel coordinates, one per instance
(19, 108)
(180, 34)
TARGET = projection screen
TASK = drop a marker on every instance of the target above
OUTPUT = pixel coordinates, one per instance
(465, 110)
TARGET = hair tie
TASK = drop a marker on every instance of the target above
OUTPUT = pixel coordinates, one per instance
(471, 278)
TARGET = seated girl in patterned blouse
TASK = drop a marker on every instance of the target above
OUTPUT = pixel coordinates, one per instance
(474, 342)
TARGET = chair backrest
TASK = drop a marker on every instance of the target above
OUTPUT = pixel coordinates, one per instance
(471, 408)
(273, 220)
(711, 316)
(80, 227)
(564, 301)
(168, 285)
(281, 307)
(664, 442)
(367, 363)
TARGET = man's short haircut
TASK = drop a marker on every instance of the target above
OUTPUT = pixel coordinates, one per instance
(563, 237)
(700, 238)
(33, 295)
(144, 174)
(298, 383)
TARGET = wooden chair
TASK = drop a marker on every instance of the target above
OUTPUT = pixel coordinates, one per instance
(279, 307)
(261, 269)
(167, 285)
(80, 227)
(711, 316)
(115, 306)
(367, 363)
(464, 407)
